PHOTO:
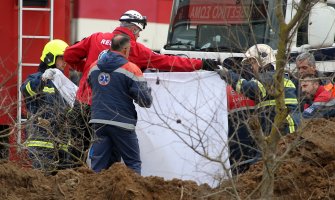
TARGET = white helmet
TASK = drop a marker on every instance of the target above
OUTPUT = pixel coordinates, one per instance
(134, 17)
(262, 53)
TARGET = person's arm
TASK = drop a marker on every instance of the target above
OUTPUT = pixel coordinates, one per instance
(312, 111)
(76, 54)
(146, 58)
(139, 89)
(32, 85)
(30, 88)
(142, 93)
(253, 88)
(323, 106)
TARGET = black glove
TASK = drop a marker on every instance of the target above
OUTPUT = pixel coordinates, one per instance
(210, 65)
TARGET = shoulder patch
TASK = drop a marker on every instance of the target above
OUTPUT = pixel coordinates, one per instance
(104, 78)
(133, 68)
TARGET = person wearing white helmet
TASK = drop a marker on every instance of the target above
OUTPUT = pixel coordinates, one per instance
(261, 60)
(131, 18)
(263, 55)
(261, 89)
(81, 55)
(47, 141)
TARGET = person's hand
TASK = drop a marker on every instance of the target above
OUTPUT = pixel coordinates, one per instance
(48, 74)
(210, 65)
(223, 72)
(149, 90)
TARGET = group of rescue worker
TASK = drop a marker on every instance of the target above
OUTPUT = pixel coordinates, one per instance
(307, 94)
(59, 133)
(102, 119)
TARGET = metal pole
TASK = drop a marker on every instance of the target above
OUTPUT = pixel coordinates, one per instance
(19, 73)
(20, 48)
(51, 19)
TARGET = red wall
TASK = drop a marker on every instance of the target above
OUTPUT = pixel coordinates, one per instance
(158, 11)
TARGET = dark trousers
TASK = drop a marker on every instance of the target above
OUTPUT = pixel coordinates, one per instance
(48, 160)
(81, 132)
(243, 150)
(110, 144)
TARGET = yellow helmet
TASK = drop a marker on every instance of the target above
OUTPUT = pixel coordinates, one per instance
(53, 49)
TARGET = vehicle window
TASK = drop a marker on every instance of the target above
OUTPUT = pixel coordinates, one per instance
(218, 25)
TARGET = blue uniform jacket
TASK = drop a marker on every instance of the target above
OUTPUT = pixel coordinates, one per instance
(43, 100)
(261, 90)
(115, 84)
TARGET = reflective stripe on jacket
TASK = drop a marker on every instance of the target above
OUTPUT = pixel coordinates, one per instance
(116, 84)
(323, 104)
(44, 144)
(261, 90)
(45, 103)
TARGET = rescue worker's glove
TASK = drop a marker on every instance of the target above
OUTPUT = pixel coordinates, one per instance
(210, 65)
(49, 74)
(223, 72)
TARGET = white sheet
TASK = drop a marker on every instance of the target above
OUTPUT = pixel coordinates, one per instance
(65, 86)
(198, 100)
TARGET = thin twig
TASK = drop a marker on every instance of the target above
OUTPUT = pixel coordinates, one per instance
(59, 188)
(181, 193)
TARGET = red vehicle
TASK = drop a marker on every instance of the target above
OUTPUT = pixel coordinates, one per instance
(90, 16)
(27, 25)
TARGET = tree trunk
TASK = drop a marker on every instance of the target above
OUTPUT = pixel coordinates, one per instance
(269, 145)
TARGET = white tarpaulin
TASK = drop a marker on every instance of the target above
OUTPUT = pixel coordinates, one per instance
(188, 120)
(64, 85)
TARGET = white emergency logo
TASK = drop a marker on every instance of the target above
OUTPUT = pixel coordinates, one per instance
(104, 78)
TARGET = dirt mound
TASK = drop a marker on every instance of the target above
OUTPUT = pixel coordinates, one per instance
(118, 182)
(306, 172)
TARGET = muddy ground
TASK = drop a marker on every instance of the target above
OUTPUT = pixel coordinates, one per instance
(307, 172)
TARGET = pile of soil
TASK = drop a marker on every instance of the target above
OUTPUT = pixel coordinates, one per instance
(306, 172)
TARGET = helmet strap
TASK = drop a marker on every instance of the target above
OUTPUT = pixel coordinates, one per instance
(49, 58)
(268, 67)
(143, 21)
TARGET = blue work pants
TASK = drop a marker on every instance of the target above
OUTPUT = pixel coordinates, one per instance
(110, 144)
